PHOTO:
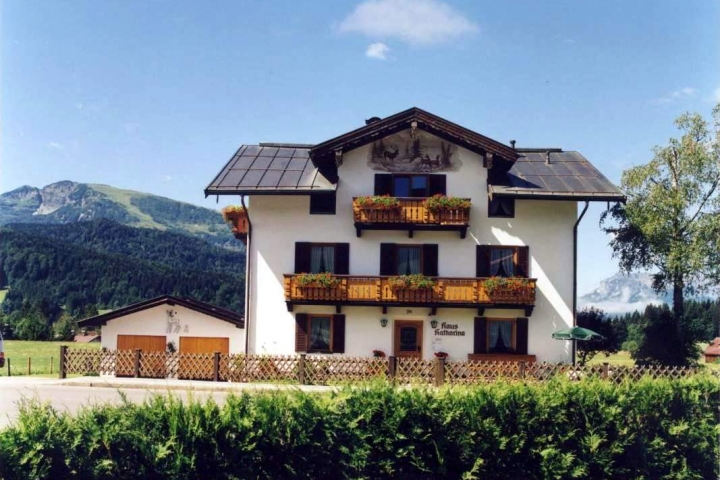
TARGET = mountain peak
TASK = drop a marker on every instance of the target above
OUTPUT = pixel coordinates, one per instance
(622, 293)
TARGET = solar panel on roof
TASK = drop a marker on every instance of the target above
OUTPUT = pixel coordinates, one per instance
(535, 181)
(252, 178)
(555, 184)
(252, 150)
(243, 162)
(261, 163)
(290, 179)
(271, 178)
(307, 178)
(560, 169)
(232, 179)
(301, 153)
(297, 164)
(268, 151)
(285, 152)
(279, 163)
(523, 168)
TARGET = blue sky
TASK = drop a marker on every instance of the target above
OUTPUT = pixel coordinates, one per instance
(156, 95)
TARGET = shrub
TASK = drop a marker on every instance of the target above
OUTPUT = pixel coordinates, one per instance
(587, 429)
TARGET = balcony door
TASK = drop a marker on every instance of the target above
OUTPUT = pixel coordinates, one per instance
(408, 338)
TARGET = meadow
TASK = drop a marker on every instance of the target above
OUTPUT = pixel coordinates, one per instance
(40, 353)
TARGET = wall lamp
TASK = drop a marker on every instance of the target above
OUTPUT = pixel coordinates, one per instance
(433, 323)
(383, 322)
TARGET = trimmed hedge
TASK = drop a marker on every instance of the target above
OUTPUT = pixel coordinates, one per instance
(650, 429)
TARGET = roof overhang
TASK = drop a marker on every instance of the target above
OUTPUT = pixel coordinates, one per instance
(196, 305)
(502, 192)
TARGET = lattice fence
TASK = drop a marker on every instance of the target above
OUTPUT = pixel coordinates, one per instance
(328, 370)
(415, 371)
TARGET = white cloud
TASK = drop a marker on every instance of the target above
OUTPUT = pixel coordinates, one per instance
(377, 50)
(56, 145)
(417, 22)
(679, 94)
(167, 178)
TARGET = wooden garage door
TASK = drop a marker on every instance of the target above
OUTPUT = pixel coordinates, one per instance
(196, 359)
(152, 365)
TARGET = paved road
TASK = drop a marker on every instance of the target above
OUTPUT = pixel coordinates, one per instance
(73, 397)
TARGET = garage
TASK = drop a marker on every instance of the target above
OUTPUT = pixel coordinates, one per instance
(169, 324)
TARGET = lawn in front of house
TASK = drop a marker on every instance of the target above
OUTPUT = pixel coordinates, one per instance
(39, 353)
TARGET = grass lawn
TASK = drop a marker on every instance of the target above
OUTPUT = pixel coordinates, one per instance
(3, 293)
(620, 358)
(40, 353)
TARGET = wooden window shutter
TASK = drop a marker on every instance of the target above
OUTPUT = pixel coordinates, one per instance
(338, 329)
(383, 184)
(482, 261)
(388, 264)
(342, 259)
(430, 259)
(437, 184)
(521, 336)
(480, 335)
(302, 257)
(301, 337)
(523, 262)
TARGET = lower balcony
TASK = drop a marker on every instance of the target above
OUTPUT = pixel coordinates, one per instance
(410, 214)
(446, 292)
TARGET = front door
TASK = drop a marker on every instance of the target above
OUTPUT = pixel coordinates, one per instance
(408, 338)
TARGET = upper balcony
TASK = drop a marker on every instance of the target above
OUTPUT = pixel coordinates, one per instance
(445, 292)
(238, 219)
(411, 213)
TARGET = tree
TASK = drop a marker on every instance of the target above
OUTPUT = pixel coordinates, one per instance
(671, 222)
(65, 328)
(595, 320)
(655, 346)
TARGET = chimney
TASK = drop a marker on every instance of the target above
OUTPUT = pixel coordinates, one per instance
(372, 120)
(512, 144)
(547, 158)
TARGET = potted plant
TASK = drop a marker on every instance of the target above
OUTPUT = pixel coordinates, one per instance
(232, 212)
(414, 281)
(317, 280)
(510, 284)
(378, 354)
(441, 202)
(377, 202)
(441, 354)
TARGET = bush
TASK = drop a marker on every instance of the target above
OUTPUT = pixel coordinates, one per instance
(589, 429)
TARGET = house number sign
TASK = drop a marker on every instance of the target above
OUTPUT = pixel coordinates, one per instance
(449, 330)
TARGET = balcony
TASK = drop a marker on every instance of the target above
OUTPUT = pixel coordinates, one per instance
(355, 290)
(238, 219)
(411, 215)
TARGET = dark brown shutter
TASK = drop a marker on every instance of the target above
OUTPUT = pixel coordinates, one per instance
(388, 265)
(342, 259)
(437, 185)
(302, 257)
(301, 326)
(383, 184)
(523, 262)
(482, 261)
(338, 328)
(521, 336)
(430, 259)
(480, 335)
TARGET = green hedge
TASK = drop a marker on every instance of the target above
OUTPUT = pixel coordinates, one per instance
(652, 429)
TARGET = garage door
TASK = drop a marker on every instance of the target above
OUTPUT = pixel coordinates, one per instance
(151, 365)
(196, 360)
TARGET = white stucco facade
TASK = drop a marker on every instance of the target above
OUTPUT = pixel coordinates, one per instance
(546, 227)
(189, 323)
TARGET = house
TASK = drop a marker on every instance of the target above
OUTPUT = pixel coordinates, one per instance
(435, 239)
(712, 351)
(188, 325)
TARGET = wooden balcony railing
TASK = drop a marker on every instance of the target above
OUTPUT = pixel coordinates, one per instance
(412, 215)
(447, 292)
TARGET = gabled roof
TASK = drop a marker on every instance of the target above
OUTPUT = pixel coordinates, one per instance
(198, 306)
(426, 121)
(713, 348)
(554, 174)
(283, 169)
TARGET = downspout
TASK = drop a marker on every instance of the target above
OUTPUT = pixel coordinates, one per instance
(574, 310)
(248, 284)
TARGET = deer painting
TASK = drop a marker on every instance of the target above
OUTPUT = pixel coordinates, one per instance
(390, 156)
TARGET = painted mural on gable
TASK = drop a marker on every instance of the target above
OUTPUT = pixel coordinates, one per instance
(421, 152)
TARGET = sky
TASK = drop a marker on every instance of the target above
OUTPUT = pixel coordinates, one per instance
(157, 95)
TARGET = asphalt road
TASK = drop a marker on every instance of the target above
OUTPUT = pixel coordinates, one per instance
(72, 398)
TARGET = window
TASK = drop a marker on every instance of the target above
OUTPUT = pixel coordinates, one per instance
(408, 259)
(322, 203)
(501, 336)
(322, 257)
(319, 333)
(407, 185)
(502, 261)
(501, 207)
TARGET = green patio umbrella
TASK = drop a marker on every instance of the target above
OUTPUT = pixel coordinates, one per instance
(576, 333)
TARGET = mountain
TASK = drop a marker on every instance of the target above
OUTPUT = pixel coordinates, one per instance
(104, 263)
(69, 202)
(623, 293)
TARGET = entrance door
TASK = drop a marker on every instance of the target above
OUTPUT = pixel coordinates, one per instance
(408, 338)
(196, 356)
(151, 365)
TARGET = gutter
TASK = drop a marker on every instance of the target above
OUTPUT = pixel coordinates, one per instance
(248, 284)
(574, 308)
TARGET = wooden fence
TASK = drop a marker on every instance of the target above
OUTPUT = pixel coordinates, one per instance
(325, 370)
